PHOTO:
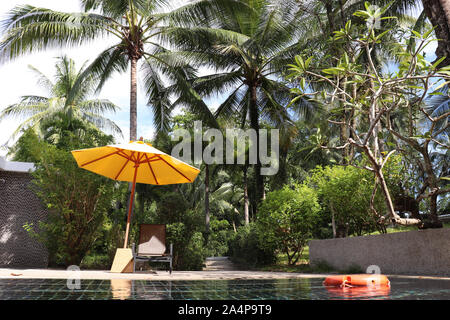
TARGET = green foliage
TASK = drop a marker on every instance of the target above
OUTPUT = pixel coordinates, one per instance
(249, 49)
(218, 239)
(184, 226)
(346, 191)
(28, 147)
(356, 89)
(77, 201)
(247, 250)
(188, 243)
(286, 219)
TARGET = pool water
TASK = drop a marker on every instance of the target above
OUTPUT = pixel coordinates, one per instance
(282, 289)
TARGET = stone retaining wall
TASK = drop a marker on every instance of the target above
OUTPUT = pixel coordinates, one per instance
(425, 252)
(19, 206)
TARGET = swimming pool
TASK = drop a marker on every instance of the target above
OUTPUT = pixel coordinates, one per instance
(282, 289)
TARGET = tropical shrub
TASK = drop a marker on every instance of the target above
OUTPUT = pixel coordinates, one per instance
(188, 244)
(344, 193)
(77, 200)
(218, 239)
(286, 219)
(246, 249)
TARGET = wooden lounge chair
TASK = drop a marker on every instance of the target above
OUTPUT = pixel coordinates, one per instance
(152, 245)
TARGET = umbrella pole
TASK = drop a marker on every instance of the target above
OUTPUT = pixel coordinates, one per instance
(130, 207)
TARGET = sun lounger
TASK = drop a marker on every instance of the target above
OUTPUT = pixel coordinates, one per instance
(152, 245)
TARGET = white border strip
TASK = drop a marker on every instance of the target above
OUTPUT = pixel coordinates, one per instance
(16, 166)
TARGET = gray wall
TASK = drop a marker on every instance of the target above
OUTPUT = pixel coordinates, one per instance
(18, 206)
(425, 252)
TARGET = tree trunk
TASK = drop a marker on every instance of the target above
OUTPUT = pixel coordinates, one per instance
(333, 222)
(133, 100)
(133, 124)
(438, 12)
(246, 217)
(433, 187)
(433, 212)
(395, 218)
(207, 214)
(330, 16)
(344, 132)
(254, 122)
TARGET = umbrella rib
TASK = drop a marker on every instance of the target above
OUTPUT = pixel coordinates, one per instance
(123, 154)
(151, 159)
(89, 162)
(139, 158)
(175, 169)
(151, 169)
(122, 169)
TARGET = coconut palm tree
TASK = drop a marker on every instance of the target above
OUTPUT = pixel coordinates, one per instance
(134, 23)
(68, 94)
(246, 48)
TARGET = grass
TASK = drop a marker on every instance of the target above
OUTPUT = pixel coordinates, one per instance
(303, 266)
(405, 229)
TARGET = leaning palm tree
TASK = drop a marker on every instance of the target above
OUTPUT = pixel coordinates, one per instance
(246, 47)
(69, 94)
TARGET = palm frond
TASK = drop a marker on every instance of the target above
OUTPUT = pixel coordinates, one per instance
(42, 80)
(102, 122)
(28, 29)
(104, 66)
(230, 106)
(208, 13)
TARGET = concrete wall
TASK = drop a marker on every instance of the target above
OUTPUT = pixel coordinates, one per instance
(425, 252)
(18, 206)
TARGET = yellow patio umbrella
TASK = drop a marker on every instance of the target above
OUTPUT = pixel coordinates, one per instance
(136, 162)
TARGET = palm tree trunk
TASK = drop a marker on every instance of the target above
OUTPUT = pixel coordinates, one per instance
(438, 12)
(207, 214)
(254, 123)
(133, 131)
(133, 100)
(246, 217)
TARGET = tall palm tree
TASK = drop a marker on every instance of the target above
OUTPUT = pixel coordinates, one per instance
(246, 46)
(134, 23)
(69, 94)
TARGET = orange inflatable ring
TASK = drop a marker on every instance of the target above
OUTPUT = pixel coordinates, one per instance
(358, 292)
(357, 280)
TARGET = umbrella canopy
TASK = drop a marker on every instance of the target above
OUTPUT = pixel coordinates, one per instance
(123, 161)
(134, 162)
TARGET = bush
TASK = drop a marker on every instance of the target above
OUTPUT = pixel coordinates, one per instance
(188, 247)
(77, 201)
(286, 219)
(246, 249)
(218, 239)
(346, 193)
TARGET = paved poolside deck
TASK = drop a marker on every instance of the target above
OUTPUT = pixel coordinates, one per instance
(150, 275)
(7, 273)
